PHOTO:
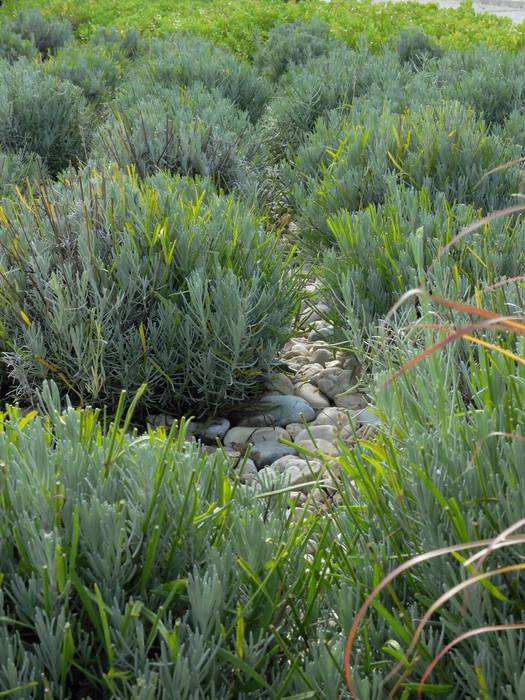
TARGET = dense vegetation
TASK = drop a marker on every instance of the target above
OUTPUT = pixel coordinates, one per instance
(163, 205)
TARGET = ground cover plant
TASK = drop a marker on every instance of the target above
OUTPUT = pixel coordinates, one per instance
(169, 210)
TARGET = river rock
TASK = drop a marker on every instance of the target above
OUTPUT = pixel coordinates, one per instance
(319, 445)
(335, 381)
(280, 409)
(353, 401)
(322, 355)
(210, 431)
(312, 395)
(238, 437)
(332, 416)
(269, 435)
(268, 452)
(280, 384)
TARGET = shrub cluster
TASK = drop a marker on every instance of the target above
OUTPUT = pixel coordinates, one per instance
(108, 283)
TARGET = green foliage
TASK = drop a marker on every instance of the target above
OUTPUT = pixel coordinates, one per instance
(386, 250)
(13, 47)
(94, 72)
(17, 169)
(248, 21)
(345, 162)
(291, 45)
(108, 283)
(181, 60)
(184, 131)
(41, 114)
(47, 35)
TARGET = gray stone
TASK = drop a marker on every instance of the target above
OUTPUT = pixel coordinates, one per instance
(269, 435)
(322, 355)
(333, 363)
(332, 416)
(309, 373)
(247, 466)
(210, 431)
(320, 333)
(329, 433)
(312, 395)
(335, 381)
(319, 445)
(160, 420)
(353, 401)
(280, 409)
(280, 384)
(238, 437)
(293, 429)
(268, 452)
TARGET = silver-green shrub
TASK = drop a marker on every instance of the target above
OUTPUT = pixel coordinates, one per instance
(41, 114)
(109, 282)
(348, 161)
(386, 250)
(47, 34)
(13, 47)
(186, 131)
(94, 71)
(18, 169)
(290, 45)
(183, 60)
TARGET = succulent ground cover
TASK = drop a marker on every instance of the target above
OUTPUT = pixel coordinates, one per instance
(261, 357)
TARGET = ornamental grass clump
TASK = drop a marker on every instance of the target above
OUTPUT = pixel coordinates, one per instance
(109, 282)
(17, 170)
(41, 114)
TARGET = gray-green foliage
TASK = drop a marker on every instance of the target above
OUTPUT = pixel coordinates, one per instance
(386, 250)
(187, 131)
(489, 81)
(13, 47)
(183, 60)
(141, 555)
(94, 71)
(445, 468)
(333, 82)
(47, 34)
(41, 114)
(348, 161)
(291, 45)
(122, 283)
(16, 169)
(127, 44)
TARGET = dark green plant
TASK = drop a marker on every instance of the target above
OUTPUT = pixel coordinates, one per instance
(108, 283)
(47, 34)
(291, 45)
(415, 48)
(41, 114)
